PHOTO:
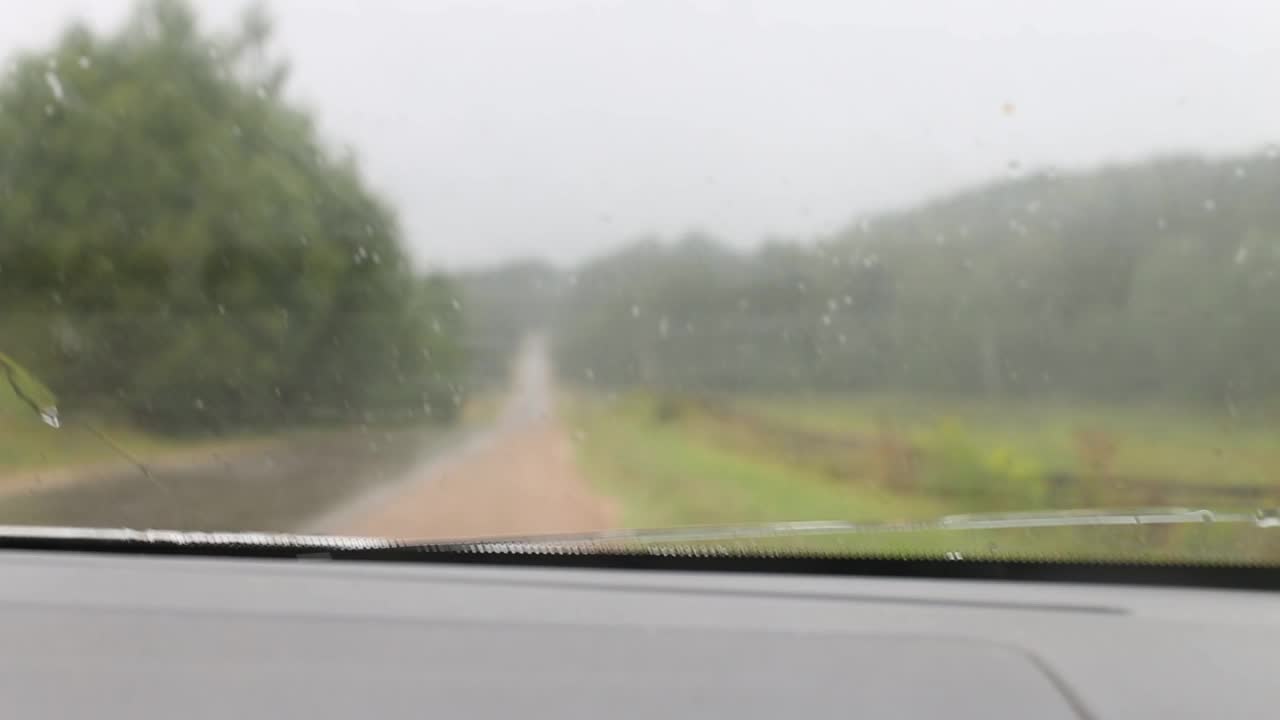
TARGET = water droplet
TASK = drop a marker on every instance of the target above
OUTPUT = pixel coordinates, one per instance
(84, 62)
(664, 327)
(833, 305)
(222, 309)
(1210, 205)
(826, 319)
(199, 404)
(848, 300)
(635, 311)
(870, 261)
(1240, 172)
(455, 304)
(1273, 151)
(1242, 254)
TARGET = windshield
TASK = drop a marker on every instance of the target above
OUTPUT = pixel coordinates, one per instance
(452, 270)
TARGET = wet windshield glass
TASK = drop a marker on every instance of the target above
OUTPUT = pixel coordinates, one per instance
(438, 269)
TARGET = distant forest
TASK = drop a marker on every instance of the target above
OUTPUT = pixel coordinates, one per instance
(1153, 281)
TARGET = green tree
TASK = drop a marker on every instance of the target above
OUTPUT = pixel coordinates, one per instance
(1158, 281)
(176, 241)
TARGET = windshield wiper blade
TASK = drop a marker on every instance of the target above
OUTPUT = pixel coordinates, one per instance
(614, 539)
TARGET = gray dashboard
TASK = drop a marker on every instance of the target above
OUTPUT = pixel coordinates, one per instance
(109, 636)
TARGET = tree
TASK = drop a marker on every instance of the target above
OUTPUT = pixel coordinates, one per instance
(1157, 281)
(176, 242)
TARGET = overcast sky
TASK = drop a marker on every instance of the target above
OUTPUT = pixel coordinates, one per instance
(560, 128)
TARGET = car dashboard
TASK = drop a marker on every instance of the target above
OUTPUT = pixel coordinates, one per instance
(121, 636)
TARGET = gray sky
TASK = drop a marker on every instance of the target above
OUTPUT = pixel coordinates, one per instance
(560, 128)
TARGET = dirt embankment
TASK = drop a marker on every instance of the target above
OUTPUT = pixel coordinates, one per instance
(271, 486)
(515, 477)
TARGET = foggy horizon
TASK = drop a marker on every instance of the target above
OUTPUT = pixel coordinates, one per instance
(562, 129)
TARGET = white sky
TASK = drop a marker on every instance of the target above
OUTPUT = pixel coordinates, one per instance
(560, 128)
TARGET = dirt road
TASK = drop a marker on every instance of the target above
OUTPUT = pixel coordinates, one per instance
(516, 478)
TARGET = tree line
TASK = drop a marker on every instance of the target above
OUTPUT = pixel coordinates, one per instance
(1155, 281)
(178, 245)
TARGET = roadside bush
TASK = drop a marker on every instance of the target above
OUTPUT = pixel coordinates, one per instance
(988, 479)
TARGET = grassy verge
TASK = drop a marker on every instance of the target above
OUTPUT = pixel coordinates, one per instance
(278, 480)
(1147, 442)
(673, 462)
(666, 474)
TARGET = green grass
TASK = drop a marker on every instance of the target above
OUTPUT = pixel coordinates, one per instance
(27, 444)
(697, 467)
(1150, 442)
(665, 475)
